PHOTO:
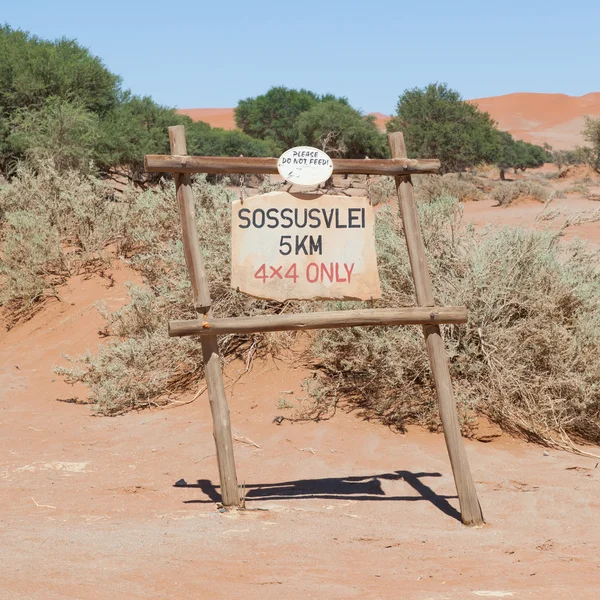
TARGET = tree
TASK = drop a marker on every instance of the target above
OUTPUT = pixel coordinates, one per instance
(507, 155)
(528, 156)
(437, 123)
(341, 131)
(32, 70)
(591, 134)
(273, 115)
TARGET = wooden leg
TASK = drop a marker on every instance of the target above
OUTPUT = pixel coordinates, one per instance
(210, 349)
(467, 495)
(221, 423)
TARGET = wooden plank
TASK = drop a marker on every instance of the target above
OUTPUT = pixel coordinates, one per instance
(220, 165)
(321, 320)
(210, 350)
(469, 504)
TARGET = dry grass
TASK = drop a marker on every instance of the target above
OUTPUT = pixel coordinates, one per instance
(54, 225)
(141, 366)
(509, 191)
(462, 186)
(529, 358)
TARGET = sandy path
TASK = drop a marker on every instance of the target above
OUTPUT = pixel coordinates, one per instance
(349, 509)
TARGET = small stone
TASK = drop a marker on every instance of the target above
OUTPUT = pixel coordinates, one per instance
(546, 453)
(181, 483)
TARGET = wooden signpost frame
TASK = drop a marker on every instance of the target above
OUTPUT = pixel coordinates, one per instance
(425, 314)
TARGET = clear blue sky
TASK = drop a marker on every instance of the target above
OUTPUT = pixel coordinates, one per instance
(212, 53)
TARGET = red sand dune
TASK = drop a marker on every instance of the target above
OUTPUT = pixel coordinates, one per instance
(215, 117)
(553, 118)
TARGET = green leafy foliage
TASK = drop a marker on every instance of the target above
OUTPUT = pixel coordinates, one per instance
(437, 123)
(272, 116)
(518, 154)
(591, 134)
(62, 132)
(341, 131)
(59, 103)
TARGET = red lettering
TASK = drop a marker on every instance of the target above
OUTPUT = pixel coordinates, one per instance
(325, 272)
(291, 273)
(308, 276)
(349, 271)
(261, 273)
(276, 272)
(339, 279)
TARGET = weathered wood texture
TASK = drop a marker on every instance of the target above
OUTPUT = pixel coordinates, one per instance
(189, 229)
(467, 495)
(321, 320)
(210, 351)
(164, 163)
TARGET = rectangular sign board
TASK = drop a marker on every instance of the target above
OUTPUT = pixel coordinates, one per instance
(297, 247)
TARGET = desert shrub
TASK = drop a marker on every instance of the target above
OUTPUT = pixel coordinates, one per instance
(52, 225)
(32, 259)
(508, 192)
(381, 190)
(577, 188)
(462, 186)
(551, 175)
(141, 366)
(528, 358)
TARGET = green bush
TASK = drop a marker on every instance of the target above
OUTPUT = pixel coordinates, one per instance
(59, 103)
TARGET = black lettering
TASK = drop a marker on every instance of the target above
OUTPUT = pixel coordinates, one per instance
(337, 220)
(274, 219)
(242, 217)
(288, 220)
(316, 245)
(298, 224)
(300, 245)
(328, 221)
(285, 244)
(313, 215)
(363, 217)
(352, 218)
(261, 212)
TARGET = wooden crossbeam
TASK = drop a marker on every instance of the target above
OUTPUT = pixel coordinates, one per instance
(222, 165)
(376, 317)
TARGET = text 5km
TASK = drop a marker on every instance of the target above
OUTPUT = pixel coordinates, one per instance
(332, 272)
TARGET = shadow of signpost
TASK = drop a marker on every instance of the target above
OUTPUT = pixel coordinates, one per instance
(361, 488)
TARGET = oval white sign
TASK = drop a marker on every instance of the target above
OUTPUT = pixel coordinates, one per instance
(305, 166)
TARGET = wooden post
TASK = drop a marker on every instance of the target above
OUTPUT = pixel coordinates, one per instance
(210, 351)
(467, 495)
